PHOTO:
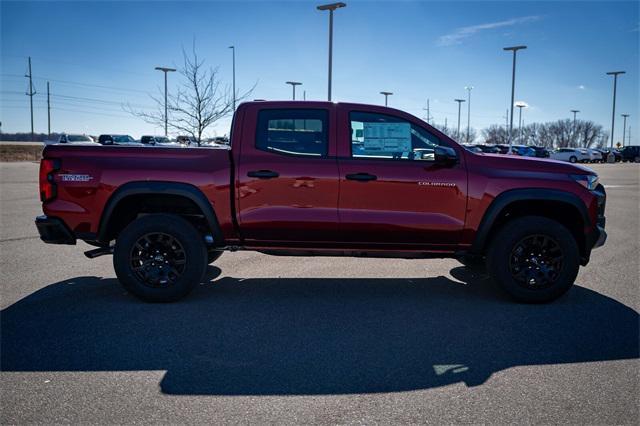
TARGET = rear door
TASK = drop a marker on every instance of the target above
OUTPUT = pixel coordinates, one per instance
(287, 174)
(391, 189)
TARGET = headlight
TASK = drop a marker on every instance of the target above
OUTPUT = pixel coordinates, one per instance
(588, 181)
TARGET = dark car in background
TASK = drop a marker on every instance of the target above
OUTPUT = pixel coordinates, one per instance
(541, 152)
(605, 153)
(631, 153)
(112, 139)
(489, 149)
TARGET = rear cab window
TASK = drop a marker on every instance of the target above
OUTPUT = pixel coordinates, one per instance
(298, 132)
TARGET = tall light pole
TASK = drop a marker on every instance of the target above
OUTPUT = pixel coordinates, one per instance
(469, 89)
(459, 101)
(514, 49)
(520, 105)
(574, 111)
(613, 113)
(331, 7)
(624, 127)
(293, 85)
(233, 53)
(165, 70)
(386, 95)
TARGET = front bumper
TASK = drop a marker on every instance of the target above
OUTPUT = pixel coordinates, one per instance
(54, 231)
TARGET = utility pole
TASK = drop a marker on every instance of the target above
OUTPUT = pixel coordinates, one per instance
(166, 70)
(613, 113)
(459, 101)
(304, 95)
(574, 111)
(386, 96)
(330, 7)
(624, 128)
(469, 88)
(48, 112)
(514, 49)
(428, 112)
(30, 94)
(233, 52)
(520, 106)
(293, 85)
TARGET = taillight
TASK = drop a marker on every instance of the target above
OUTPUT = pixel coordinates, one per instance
(48, 189)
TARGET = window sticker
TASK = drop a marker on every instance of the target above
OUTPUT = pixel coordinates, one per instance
(387, 137)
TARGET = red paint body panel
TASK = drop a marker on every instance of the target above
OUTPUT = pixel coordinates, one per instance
(413, 205)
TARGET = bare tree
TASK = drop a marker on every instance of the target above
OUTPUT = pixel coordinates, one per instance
(495, 134)
(199, 101)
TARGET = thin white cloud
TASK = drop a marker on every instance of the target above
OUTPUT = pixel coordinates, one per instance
(460, 34)
(581, 87)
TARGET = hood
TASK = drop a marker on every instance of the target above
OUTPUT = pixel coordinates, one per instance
(534, 164)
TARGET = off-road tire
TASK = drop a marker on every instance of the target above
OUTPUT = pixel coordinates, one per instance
(508, 239)
(192, 257)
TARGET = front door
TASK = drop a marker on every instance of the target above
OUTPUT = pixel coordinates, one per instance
(391, 190)
(287, 177)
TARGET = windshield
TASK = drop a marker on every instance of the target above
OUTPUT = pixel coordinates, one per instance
(79, 138)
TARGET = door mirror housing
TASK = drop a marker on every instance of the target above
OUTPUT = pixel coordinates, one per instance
(445, 156)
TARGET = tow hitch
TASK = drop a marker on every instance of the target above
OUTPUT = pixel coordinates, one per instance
(101, 251)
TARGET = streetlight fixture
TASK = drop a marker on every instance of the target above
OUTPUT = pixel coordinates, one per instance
(624, 127)
(293, 85)
(165, 70)
(574, 111)
(459, 101)
(613, 113)
(331, 7)
(514, 49)
(386, 95)
(520, 105)
(233, 52)
(469, 89)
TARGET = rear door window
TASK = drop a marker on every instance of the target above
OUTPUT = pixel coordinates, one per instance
(300, 132)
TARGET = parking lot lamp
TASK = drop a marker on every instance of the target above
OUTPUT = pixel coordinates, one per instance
(459, 101)
(331, 7)
(514, 49)
(233, 53)
(574, 111)
(624, 127)
(613, 113)
(293, 85)
(469, 88)
(520, 105)
(165, 70)
(386, 96)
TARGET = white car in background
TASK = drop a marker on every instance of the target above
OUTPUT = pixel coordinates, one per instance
(572, 155)
(72, 139)
(595, 156)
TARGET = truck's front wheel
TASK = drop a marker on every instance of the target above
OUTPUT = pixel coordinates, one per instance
(534, 259)
(159, 258)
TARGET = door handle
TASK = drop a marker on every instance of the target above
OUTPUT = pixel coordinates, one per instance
(364, 177)
(263, 174)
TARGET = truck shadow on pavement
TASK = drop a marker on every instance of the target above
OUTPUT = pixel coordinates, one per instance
(311, 336)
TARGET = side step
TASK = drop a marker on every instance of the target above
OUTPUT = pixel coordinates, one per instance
(101, 251)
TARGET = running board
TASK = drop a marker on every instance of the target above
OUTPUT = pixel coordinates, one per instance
(92, 254)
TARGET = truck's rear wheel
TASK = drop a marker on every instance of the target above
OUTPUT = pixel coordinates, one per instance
(159, 258)
(534, 259)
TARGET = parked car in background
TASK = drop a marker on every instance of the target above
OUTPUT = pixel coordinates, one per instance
(489, 149)
(524, 151)
(572, 155)
(186, 140)
(605, 153)
(595, 156)
(71, 139)
(158, 141)
(472, 148)
(112, 139)
(503, 148)
(540, 151)
(631, 153)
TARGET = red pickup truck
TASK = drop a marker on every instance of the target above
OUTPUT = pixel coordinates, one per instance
(320, 178)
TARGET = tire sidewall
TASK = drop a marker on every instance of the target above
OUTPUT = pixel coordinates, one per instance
(187, 236)
(499, 256)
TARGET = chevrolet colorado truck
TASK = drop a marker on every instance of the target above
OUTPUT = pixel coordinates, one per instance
(317, 178)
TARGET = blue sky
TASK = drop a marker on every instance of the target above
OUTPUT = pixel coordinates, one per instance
(100, 55)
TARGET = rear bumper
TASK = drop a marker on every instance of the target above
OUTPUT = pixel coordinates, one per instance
(54, 231)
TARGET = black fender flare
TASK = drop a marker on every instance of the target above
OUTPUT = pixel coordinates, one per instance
(516, 195)
(160, 188)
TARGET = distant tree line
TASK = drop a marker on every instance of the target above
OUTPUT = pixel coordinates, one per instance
(560, 134)
(26, 137)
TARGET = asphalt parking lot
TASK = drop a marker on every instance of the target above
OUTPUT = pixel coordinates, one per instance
(314, 340)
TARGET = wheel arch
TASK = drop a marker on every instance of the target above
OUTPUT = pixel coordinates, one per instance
(141, 190)
(562, 206)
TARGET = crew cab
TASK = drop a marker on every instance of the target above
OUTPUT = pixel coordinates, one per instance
(323, 179)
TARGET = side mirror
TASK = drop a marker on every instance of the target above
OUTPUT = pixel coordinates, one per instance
(445, 156)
